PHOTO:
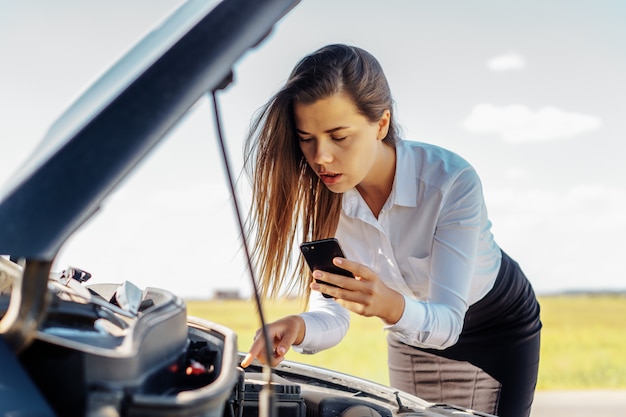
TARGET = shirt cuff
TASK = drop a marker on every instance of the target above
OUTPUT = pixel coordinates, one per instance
(311, 328)
(413, 315)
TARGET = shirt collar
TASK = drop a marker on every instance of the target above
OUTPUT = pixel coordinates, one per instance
(405, 182)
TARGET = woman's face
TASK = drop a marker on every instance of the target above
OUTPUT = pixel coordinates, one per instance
(340, 144)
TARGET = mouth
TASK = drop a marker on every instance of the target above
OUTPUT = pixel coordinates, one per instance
(329, 178)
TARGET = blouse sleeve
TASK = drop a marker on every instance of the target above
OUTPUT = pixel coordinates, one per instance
(326, 323)
(437, 322)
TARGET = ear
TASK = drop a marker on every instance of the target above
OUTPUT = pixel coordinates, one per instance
(383, 125)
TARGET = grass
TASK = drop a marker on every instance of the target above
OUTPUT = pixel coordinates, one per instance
(583, 340)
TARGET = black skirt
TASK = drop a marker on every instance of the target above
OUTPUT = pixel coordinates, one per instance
(500, 337)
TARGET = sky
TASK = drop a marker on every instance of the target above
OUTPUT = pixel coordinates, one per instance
(531, 93)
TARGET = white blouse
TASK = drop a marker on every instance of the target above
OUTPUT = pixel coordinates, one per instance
(432, 242)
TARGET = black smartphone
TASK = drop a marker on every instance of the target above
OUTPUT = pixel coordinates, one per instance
(319, 254)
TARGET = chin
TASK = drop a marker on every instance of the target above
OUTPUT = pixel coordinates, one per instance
(338, 188)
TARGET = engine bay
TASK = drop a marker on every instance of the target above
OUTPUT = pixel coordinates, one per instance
(115, 350)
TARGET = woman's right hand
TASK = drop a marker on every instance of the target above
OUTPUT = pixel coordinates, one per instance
(283, 333)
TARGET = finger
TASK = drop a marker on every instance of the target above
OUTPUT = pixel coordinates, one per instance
(322, 278)
(279, 355)
(335, 292)
(360, 271)
(327, 281)
(256, 348)
(247, 360)
(281, 350)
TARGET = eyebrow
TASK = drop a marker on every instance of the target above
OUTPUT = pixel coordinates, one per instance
(334, 129)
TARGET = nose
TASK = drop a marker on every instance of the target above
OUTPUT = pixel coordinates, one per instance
(323, 152)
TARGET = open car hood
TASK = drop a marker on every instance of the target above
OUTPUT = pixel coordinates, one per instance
(110, 128)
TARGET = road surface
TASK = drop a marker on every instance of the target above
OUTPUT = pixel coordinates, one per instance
(579, 404)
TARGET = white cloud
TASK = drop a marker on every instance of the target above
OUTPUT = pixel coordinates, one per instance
(517, 123)
(510, 61)
(567, 239)
(600, 206)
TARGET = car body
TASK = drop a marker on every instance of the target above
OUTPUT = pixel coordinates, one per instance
(70, 348)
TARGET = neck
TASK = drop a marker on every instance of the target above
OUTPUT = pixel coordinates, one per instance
(376, 189)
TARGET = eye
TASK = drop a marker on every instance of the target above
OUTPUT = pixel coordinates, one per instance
(305, 139)
(339, 139)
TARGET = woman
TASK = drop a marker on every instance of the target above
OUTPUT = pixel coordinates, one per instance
(462, 320)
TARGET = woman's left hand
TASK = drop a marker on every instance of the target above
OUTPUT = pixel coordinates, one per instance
(365, 295)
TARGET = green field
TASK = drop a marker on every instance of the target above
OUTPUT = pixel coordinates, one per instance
(583, 340)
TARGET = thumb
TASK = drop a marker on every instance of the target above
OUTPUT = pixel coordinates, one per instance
(281, 350)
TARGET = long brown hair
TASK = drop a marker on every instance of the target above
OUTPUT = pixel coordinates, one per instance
(287, 194)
